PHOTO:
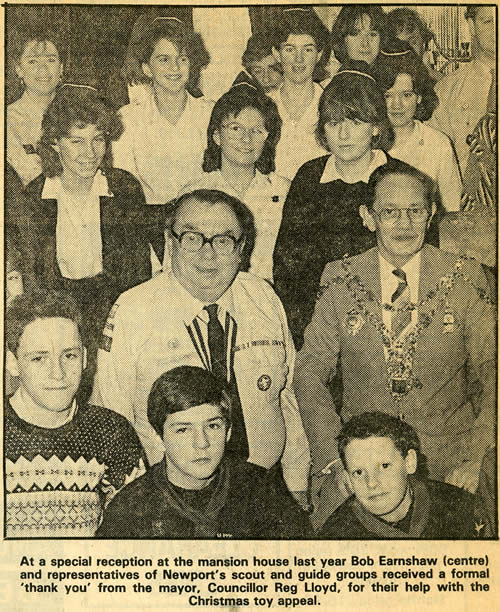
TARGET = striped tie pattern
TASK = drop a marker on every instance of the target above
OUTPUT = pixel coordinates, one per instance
(400, 317)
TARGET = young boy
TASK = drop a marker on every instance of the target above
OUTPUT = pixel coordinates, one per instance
(64, 462)
(380, 455)
(199, 491)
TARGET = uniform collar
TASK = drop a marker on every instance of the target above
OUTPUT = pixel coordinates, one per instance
(52, 188)
(330, 173)
(192, 307)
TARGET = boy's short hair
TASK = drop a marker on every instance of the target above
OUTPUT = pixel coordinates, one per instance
(259, 46)
(380, 425)
(39, 304)
(185, 387)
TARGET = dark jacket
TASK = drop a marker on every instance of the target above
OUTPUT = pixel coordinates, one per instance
(256, 508)
(439, 511)
(125, 249)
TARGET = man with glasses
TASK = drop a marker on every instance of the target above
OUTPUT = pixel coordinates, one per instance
(205, 311)
(414, 327)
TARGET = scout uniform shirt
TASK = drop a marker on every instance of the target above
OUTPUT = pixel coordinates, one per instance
(155, 326)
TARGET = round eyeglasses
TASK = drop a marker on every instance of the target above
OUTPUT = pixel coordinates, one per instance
(416, 214)
(222, 244)
(238, 131)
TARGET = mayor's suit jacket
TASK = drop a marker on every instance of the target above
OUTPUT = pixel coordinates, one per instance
(455, 364)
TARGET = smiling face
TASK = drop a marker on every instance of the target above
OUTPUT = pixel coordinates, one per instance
(402, 101)
(378, 474)
(364, 42)
(81, 151)
(195, 441)
(39, 67)
(267, 72)
(350, 139)
(242, 138)
(167, 67)
(298, 56)
(49, 363)
(205, 274)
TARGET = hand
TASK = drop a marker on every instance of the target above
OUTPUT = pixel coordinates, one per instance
(465, 476)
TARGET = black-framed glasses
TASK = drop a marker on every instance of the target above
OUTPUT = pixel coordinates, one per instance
(222, 244)
(416, 214)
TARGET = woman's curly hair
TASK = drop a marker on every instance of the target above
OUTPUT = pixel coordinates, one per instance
(76, 106)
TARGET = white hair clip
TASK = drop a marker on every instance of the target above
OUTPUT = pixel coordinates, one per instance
(79, 86)
(368, 76)
(168, 18)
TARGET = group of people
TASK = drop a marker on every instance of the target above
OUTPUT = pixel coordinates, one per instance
(167, 260)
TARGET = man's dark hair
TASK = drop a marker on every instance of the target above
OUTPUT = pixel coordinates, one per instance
(402, 59)
(345, 24)
(38, 304)
(185, 387)
(354, 96)
(407, 20)
(241, 210)
(259, 46)
(395, 166)
(76, 106)
(238, 98)
(304, 20)
(380, 425)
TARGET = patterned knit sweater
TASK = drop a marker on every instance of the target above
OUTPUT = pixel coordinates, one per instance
(58, 481)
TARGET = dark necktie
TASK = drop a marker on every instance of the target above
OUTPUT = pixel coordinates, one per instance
(400, 317)
(219, 363)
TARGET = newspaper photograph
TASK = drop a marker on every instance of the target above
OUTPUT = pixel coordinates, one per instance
(250, 312)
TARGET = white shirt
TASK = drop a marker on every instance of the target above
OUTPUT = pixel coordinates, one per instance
(78, 229)
(24, 127)
(162, 156)
(147, 334)
(430, 151)
(265, 197)
(297, 143)
(330, 172)
(389, 283)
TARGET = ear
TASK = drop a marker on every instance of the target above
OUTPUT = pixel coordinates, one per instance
(11, 363)
(419, 99)
(347, 481)
(320, 55)
(367, 218)
(84, 363)
(276, 54)
(147, 70)
(18, 70)
(216, 137)
(228, 433)
(411, 461)
(375, 131)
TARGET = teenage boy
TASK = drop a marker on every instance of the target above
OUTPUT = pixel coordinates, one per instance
(64, 462)
(199, 490)
(380, 455)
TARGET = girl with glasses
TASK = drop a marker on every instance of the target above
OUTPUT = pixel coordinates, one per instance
(239, 160)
